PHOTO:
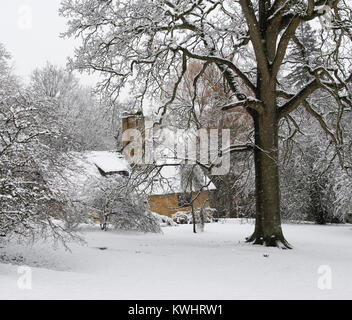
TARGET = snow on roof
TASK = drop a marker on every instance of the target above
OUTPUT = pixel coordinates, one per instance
(109, 162)
(83, 166)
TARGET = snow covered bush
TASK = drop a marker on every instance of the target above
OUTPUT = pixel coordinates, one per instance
(28, 208)
(181, 217)
(164, 220)
(315, 176)
(341, 190)
(314, 187)
(126, 209)
(201, 216)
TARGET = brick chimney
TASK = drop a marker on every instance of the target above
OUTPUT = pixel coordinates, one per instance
(133, 121)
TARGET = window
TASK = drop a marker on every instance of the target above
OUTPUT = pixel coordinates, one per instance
(184, 199)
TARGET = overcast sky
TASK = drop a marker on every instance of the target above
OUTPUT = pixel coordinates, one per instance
(30, 31)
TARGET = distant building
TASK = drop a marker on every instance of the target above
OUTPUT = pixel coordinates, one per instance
(166, 195)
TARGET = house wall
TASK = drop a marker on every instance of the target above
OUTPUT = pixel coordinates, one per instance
(168, 204)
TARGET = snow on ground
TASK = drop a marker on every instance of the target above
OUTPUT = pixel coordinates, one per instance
(178, 264)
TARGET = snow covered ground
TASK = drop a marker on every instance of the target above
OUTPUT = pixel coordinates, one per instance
(178, 264)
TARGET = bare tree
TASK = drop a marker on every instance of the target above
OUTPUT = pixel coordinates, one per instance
(199, 107)
(73, 111)
(29, 209)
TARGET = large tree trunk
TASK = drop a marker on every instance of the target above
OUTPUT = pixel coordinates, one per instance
(268, 220)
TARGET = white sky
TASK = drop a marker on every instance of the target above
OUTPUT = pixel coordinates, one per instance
(30, 31)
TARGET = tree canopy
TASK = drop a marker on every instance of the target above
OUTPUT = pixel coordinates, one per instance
(255, 46)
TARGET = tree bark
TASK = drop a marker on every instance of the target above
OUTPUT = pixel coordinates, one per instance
(266, 155)
(193, 219)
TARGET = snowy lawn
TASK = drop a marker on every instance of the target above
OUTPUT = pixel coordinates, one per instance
(178, 264)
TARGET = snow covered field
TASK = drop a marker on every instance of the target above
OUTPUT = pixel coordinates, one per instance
(178, 264)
